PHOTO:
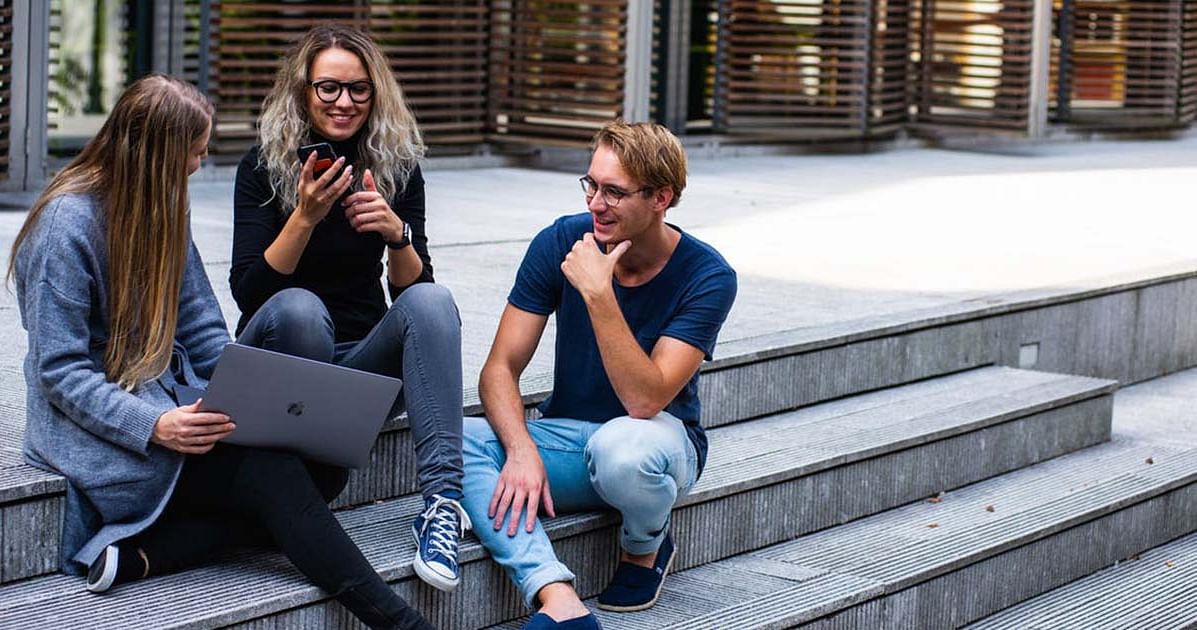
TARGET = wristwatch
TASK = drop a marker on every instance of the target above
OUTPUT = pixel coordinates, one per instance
(405, 240)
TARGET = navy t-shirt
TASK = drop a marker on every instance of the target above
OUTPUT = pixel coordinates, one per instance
(688, 300)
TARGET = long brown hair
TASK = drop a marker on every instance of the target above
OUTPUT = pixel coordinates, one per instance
(136, 169)
(390, 144)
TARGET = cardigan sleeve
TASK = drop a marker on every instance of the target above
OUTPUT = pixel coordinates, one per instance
(60, 292)
(409, 205)
(201, 328)
(256, 223)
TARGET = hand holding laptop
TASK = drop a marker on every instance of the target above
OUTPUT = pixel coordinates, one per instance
(189, 430)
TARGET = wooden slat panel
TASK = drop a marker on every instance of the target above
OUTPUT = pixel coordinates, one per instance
(973, 61)
(5, 85)
(437, 50)
(795, 64)
(556, 70)
(810, 68)
(1126, 63)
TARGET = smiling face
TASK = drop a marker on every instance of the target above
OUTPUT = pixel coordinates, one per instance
(634, 215)
(341, 119)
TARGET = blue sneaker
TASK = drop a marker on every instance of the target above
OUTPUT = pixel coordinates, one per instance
(438, 531)
(635, 587)
(541, 621)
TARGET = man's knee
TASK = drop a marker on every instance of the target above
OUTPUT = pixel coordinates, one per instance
(626, 448)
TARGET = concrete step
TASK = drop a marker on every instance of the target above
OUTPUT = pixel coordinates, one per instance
(972, 552)
(832, 462)
(1155, 590)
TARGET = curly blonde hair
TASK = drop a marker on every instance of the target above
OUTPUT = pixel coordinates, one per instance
(391, 145)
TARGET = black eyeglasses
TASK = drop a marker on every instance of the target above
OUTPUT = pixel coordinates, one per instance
(329, 91)
(611, 195)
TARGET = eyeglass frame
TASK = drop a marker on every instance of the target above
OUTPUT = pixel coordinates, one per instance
(341, 87)
(606, 191)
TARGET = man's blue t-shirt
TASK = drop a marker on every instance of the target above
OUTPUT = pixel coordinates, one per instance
(688, 300)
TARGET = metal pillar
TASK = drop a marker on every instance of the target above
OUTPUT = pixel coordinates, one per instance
(1041, 52)
(637, 85)
(674, 51)
(30, 90)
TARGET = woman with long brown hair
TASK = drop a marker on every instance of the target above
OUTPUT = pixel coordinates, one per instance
(119, 312)
(308, 251)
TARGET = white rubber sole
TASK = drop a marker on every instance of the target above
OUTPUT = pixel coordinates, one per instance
(111, 560)
(427, 573)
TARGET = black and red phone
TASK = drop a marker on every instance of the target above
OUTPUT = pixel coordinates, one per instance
(325, 156)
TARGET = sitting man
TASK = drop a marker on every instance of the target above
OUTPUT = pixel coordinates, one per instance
(639, 305)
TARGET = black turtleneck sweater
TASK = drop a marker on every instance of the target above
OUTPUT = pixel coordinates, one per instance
(340, 265)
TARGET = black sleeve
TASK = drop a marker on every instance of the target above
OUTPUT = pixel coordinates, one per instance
(409, 205)
(257, 221)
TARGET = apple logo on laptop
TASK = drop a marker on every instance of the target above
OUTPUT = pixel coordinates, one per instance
(295, 408)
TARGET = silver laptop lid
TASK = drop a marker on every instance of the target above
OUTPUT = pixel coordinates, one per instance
(321, 411)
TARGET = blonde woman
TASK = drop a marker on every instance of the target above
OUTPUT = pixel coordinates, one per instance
(308, 251)
(119, 312)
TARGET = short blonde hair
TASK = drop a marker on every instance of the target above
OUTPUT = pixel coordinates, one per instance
(649, 152)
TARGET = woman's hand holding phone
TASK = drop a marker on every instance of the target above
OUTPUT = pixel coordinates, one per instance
(318, 193)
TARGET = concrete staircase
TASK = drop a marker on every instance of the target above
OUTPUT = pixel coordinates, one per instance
(848, 486)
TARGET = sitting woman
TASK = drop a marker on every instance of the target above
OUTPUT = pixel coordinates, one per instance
(307, 258)
(119, 311)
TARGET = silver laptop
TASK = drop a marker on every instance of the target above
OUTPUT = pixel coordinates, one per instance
(321, 411)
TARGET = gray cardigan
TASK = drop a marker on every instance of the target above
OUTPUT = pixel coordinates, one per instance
(79, 424)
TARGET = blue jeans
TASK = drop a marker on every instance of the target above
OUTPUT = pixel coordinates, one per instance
(639, 467)
(418, 340)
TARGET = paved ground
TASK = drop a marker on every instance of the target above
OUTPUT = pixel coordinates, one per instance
(816, 240)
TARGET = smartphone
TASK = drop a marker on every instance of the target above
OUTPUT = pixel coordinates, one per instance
(325, 156)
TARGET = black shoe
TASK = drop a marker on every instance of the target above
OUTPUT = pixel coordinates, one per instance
(636, 588)
(101, 576)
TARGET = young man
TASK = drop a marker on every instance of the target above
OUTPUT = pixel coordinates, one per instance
(639, 304)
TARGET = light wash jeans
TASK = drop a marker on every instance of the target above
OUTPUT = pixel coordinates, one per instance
(639, 467)
(417, 340)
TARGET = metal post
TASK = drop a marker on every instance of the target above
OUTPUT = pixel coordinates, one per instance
(1041, 52)
(674, 83)
(1064, 64)
(205, 45)
(30, 91)
(637, 85)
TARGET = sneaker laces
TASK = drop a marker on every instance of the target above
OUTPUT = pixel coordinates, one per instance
(446, 522)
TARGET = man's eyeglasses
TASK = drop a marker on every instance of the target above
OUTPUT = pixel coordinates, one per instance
(611, 195)
(329, 91)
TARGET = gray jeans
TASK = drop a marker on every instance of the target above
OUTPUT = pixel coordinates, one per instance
(418, 340)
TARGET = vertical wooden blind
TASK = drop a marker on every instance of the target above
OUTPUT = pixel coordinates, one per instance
(438, 50)
(1124, 62)
(556, 69)
(973, 60)
(6, 18)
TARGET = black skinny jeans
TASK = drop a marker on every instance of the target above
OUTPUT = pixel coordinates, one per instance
(235, 496)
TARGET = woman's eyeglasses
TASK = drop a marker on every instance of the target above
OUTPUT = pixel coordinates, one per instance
(329, 91)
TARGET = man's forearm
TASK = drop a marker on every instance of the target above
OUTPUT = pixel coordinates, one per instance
(499, 392)
(637, 381)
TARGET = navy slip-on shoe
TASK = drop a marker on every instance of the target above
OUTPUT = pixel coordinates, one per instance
(541, 621)
(635, 587)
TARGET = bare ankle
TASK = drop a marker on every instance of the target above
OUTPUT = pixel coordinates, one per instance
(560, 601)
(642, 560)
